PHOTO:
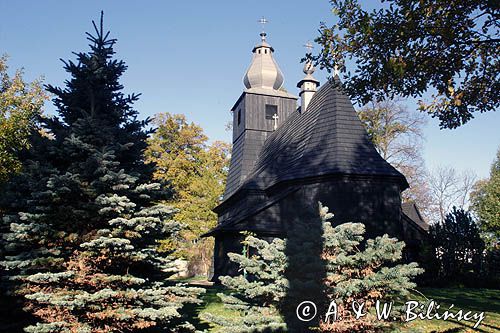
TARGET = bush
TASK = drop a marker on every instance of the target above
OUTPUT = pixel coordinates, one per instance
(280, 275)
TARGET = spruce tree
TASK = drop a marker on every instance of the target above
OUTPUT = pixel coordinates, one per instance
(457, 245)
(84, 216)
(364, 272)
(258, 293)
(351, 270)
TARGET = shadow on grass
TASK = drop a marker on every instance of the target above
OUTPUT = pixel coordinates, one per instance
(209, 299)
(471, 299)
(477, 300)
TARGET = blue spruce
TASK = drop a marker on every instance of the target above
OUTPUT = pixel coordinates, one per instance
(316, 262)
(81, 222)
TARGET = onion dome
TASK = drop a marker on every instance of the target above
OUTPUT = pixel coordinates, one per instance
(263, 71)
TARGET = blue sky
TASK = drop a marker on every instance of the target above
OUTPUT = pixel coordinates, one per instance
(190, 56)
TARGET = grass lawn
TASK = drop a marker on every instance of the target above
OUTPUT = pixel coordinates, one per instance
(476, 300)
(211, 304)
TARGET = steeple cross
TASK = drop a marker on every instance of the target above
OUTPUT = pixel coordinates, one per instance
(275, 118)
(335, 70)
(335, 67)
(309, 47)
(263, 22)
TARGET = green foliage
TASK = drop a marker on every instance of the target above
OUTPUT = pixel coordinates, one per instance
(258, 295)
(174, 148)
(457, 244)
(84, 217)
(407, 47)
(486, 200)
(20, 106)
(363, 274)
(197, 173)
(343, 272)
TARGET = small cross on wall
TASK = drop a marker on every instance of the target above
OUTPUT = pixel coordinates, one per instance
(275, 118)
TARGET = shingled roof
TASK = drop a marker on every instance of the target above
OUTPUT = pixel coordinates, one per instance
(410, 209)
(327, 139)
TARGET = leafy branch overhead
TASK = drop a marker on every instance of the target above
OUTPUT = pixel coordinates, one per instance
(408, 48)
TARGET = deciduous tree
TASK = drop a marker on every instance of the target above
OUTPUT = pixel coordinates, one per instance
(486, 200)
(397, 133)
(449, 49)
(449, 188)
(197, 172)
(20, 106)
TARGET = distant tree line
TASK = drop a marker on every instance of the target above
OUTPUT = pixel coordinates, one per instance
(463, 212)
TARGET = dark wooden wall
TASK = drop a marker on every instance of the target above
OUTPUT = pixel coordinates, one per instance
(253, 112)
(249, 136)
(374, 202)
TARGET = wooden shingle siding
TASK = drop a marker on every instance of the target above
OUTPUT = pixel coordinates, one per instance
(322, 155)
(249, 136)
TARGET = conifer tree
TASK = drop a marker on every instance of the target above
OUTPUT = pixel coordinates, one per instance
(457, 245)
(257, 294)
(364, 272)
(84, 215)
(268, 294)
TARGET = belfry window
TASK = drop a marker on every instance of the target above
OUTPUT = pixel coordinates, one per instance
(239, 117)
(271, 110)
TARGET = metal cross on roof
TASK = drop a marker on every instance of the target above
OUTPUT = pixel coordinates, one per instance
(308, 46)
(263, 22)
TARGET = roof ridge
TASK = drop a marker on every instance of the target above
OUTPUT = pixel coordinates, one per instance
(328, 138)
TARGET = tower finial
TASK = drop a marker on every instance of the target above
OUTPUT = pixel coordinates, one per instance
(263, 21)
(263, 71)
(308, 46)
(308, 84)
(308, 66)
(335, 66)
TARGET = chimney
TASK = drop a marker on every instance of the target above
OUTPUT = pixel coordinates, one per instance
(307, 85)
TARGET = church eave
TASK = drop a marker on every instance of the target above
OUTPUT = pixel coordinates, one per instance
(265, 92)
(279, 190)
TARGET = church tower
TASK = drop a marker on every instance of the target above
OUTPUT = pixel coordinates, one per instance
(287, 159)
(262, 108)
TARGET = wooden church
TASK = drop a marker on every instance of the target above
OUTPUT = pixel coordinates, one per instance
(286, 159)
